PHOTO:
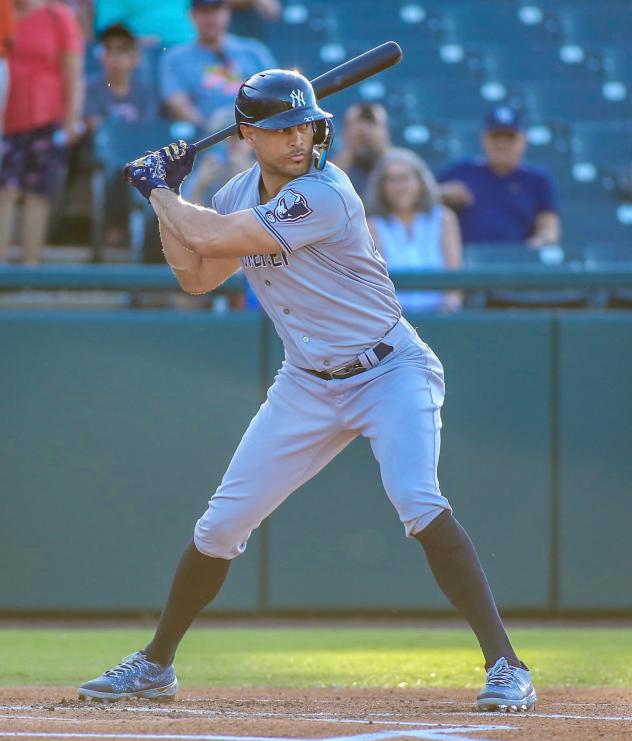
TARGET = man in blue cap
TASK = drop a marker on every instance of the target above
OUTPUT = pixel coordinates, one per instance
(199, 78)
(498, 198)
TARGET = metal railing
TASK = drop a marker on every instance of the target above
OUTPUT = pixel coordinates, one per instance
(160, 277)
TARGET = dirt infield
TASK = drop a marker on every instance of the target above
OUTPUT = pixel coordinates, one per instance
(361, 715)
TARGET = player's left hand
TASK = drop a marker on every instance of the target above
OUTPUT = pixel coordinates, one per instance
(146, 173)
(178, 158)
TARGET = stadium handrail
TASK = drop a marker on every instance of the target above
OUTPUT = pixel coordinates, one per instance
(160, 277)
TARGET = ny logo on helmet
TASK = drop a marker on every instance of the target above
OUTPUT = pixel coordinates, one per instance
(298, 98)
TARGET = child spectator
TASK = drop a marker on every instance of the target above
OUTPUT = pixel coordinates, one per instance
(116, 92)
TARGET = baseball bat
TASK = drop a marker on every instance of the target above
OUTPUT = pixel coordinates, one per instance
(343, 76)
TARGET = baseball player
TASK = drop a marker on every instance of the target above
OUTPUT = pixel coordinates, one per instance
(353, 366)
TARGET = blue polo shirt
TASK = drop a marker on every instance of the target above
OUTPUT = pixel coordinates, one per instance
(505, 207)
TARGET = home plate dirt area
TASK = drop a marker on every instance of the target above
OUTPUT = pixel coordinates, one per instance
(323, 714)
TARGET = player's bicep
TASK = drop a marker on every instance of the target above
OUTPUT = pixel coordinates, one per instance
(241, 233)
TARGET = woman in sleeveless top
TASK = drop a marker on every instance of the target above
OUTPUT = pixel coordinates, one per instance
(411, 228)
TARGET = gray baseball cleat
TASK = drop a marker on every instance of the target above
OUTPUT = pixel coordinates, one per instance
(135, 676)
(508, 689)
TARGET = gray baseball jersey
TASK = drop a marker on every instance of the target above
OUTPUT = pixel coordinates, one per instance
(327, 290)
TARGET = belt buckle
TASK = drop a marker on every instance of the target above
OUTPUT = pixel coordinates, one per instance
(346, 370)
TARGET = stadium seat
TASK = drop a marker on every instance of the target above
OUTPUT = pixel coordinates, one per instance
(526, 62)
(569, 101)
(604, 21)
(116, 143)
(596, 219)
(611, 256)
(401, 20)
(461, 99)
(607, 147)
(489, 21)
(519, 257)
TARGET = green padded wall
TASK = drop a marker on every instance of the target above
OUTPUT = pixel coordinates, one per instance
(595, 421)
(117, 427)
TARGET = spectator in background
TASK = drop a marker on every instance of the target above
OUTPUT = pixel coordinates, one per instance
(499, 198)
(218, 166)
(166, 23)
(162, 23)
(200, 78)
(42, 117)
(117, 94)
(410, 227)
(255, 17)
(84, 13)
(6, 36)
(365, 139)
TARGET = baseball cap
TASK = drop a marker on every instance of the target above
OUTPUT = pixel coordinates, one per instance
(206, 3)
(503, 117)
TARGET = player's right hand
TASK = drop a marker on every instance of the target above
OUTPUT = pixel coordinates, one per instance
(146, 173)
(178, 158)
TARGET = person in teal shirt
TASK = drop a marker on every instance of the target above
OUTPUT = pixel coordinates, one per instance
(164, 23)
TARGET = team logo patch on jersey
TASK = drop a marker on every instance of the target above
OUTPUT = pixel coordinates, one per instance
(292, 206)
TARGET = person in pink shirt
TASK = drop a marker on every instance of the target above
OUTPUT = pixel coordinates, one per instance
(6, 34)
(41, 118)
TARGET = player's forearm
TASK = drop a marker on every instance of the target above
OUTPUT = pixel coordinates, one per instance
(195, 274)
(176, 253)
(194, 226)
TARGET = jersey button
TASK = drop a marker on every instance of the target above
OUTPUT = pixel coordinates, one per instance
(306, 339)
(267, 283)
(286, 311)
(326, 363)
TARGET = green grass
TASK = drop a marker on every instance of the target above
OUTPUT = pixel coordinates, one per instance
(322, 657)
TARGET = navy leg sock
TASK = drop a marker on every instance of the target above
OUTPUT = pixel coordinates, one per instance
(459, 574)
(197, 581)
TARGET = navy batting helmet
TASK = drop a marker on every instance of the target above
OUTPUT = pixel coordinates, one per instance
(280, 99)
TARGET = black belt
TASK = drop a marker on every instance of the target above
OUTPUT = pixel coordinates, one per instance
(381, 350)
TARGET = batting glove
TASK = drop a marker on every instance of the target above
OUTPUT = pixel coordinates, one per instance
(146, 173)
(178, 159)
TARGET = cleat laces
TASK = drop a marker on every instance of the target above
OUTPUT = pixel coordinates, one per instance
(128, 664)
(500, 675)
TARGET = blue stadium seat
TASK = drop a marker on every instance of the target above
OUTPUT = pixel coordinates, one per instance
(568, 101)
(461, 99)
(605, 21)
(401, 20)
(605, 145)
(595, 219)
(115, 144)
(525, 62)
(616, 63)
(608, 256)
(518, 257)
(488, 21)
